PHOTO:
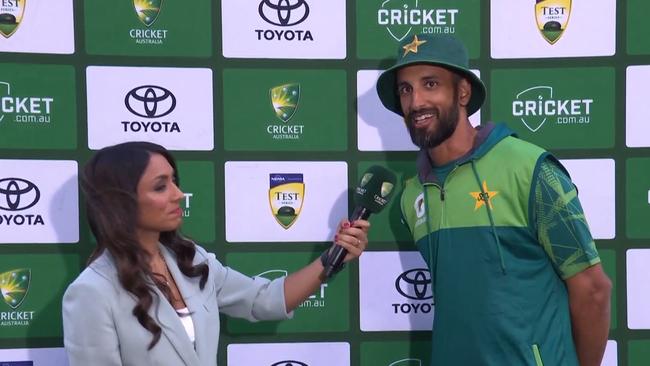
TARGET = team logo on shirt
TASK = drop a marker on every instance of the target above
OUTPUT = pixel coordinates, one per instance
(418, 205)
(286, 195)
(11, 15)
(552, 18)
(483, 197)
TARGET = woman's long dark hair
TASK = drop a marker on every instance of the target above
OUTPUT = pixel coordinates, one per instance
(109, 182)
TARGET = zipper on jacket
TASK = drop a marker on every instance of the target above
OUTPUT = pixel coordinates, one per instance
(538, 356)
(485, 197)
(434, 266)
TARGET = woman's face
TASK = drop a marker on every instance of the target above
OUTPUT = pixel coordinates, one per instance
(158, 197)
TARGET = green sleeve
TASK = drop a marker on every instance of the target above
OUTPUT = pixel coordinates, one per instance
(560, 222)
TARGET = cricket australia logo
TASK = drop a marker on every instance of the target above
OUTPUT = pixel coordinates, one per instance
(284, 100)
(14, 286)
(286, 194)
(147, 10)
(11, 15)
(552, 18)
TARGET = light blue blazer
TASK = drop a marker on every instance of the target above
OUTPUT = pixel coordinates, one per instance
(101, 330)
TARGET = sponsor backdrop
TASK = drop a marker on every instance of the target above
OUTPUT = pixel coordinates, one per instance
(270, 108)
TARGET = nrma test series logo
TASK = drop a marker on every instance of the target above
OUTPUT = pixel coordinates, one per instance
(11, 15)
(552, 18)
(286, 196)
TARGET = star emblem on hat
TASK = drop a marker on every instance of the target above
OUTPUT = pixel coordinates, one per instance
(413, 46)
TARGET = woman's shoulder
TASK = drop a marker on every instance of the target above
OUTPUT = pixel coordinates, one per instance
(202, 256)
(100, 275)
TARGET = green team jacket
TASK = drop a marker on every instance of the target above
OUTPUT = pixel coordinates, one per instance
(498, 299)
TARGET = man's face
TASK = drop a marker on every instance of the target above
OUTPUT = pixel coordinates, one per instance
(429, 99)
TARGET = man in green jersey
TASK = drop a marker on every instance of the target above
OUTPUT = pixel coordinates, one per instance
(514, 269)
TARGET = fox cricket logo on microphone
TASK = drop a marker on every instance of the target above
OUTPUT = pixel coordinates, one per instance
(286, 194)
(552, 18)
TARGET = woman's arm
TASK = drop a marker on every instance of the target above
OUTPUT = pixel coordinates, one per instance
(301, 284)
(89, 333)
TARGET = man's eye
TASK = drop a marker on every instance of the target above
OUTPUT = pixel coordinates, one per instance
(160, 188)
(403, 90)
(431, 84)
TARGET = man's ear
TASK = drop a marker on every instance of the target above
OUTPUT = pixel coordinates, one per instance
(464, 92)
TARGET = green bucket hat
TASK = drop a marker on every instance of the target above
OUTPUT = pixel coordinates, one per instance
(438, 50)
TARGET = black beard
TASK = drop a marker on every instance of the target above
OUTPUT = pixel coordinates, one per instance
(446, 126)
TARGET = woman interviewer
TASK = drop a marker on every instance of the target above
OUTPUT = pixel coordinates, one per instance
(150, 296)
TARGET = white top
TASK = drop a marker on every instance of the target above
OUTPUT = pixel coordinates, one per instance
(186, 320)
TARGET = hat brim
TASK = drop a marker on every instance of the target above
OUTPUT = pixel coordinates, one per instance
(387, 86)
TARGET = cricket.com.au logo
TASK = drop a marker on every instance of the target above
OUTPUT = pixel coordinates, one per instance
(11, 15)
(402, 18)
(24, 109)
(284, 101)
(285, 18)
(537, 106)
(286, 197)
(552, 18)
(147, 12)
(414, 285)
(316, 300)
(150, 102)
(14, 286)
(407, 362)
(18, 197)
(186, 204)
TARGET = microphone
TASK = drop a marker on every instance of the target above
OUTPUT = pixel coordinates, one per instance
(371, 195)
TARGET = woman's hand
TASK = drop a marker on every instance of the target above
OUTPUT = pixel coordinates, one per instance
(353, 236)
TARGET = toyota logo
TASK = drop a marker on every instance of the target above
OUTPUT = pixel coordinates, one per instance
(18, 194)
(415, 284)
(284, 13)
(289, 363)
(150, 101)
